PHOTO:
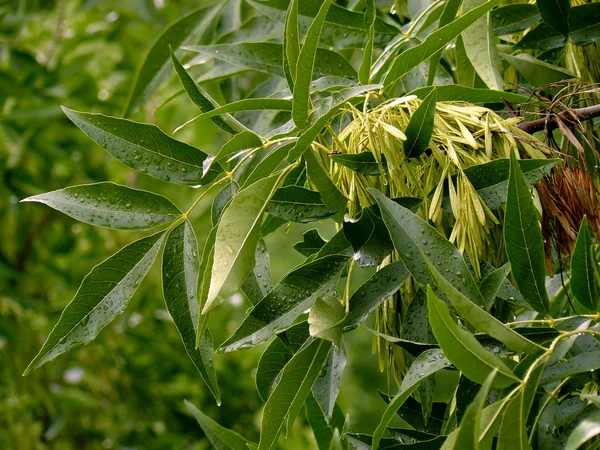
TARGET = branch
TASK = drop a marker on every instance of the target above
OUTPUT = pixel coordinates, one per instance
(550, 122)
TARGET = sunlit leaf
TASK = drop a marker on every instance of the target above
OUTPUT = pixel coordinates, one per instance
(325, 317)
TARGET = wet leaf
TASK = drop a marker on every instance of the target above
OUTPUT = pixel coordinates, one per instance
(220, 437)
(236, 239)
(311, 243)
(375, 290)
(319, 177)
(514, 18)
(180, 283)
(462, 349)
(298, 204)
(536, 71)
(111, 205)
(327, 386)
(584, 278)
(583, 432)
(103, 295)
(585, 362)
(292, 296)
(289, 395)
(363, 162)
(146, 148)
(420, 127)
(523, 238)
(259, 282)
(369, 238)
(556, 14)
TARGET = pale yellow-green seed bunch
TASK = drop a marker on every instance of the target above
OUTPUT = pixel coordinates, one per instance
(463, 136)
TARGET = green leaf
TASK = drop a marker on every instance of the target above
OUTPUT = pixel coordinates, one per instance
(270, 163)
(205, 271)
(156, 63)
(584, 282)
(237, 236)
(584, 21)
(111, 205)
(536, 71)
(448, 15)
(310, 244)
(325, 109)
(513, 428)
(480, 319)
(200, 99)
(277, 355)
(375, 290)
(323, 432)
(180, 283)
(543, 38)
(220, 437)
(523, 239)
(291, 44)
(318, 176)
(411, 58)
(244, 105)
(327, 386)
(325, 317)
(420, 128)
(556, 14)
(103, 295)
(514, 18)
(305, 67)
(369, 238)
(490, 179)
(456, 93)
(241, 141)
(289, 395)
(146, 148)
(416, 240)
(582, 363)
(259, 28)
(480, 47)
(293, 295)
(425, 365)
(268, 57)
(491, 284)
(363, 162)
(298, 204)
(583, 432)
(364, 71)
(470, 425)
(343, 28)
(462, 349)
(259, 283)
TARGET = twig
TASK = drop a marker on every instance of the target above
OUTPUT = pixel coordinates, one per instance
(550, 122)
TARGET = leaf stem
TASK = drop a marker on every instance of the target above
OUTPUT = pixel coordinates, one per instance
(216, 183)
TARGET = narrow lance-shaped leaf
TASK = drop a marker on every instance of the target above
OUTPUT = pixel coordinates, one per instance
(103, 295)
(325, 317)
(219, 436)
(200, 99)
(146, 148)
(310, 244)
(416, 240)
(236, 239)
(411, 58)
(461, 347)
(483, 321)
(327, 386)
(535, 71)
(318, 176)
(420, 128)
(289, 395)
(582, 363)
(298, 204)
(468, 432)
(293, 295)
(180, 283)
(448, 15)
(364, 72)
(156, 64)
(259, 283)
(241, 141)
(268, 57)
(244, 105)
(584, 281)
(514, 18)
(585, 430)
(480, 47)
(111, 205)
(523, 238)
(291, 44)
(457, 93)
(305, 67)
(428, 363)
(376, 289)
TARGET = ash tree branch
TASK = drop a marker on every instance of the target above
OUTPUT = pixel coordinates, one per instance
(567, 116)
